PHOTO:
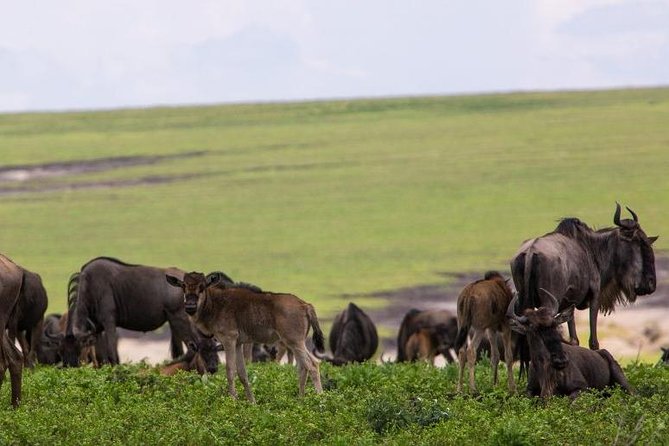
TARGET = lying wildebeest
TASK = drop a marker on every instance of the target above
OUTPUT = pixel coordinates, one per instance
(441, 325)
(482, 310)
(111, 293)
(30, 308)
(51, 346)
(586, 268)
(556, 367)
(665, 355)
(237, 316)
(11, 281)
(201, 357)
(353, 337)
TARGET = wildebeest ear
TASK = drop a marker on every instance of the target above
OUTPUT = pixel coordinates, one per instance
(565, 315)
(219, 347)
(173, 281)
(213, 279)
(517, 326)
(651, 240)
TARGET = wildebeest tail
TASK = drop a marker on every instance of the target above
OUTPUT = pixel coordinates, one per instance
(317, 337)
(464, 324)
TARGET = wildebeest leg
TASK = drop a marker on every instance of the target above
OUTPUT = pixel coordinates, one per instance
(594, 311)
(571, 324)
(315, 373)
(302, 377)
(241, 372)
(494, 353)
(462, 358)
(508, 358)
(12, 358)
(230, 347)
(35, 335)
(305, 360)
(471, 357)
(25, 348)
(248, 352)
(112, 344)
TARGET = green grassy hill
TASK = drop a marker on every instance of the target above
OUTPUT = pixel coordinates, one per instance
(330, 198)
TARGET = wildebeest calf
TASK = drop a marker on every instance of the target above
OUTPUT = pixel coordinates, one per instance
(482, 310)
(237, 316)
(202, 356)
(440, 325)
(558, 368)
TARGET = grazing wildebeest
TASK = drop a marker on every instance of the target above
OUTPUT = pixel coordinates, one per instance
(48, 349)
(665, 355)
(556, 367)
(11, 281)
(237, 316)
(201, 357)
(442, 326)
(30, 308)
(586, 268)
(482, 311)
(52, 346)
(353, 337)
(111, 293)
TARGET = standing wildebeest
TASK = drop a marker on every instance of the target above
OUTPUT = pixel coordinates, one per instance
(111, 293)
(353, 337)
(30, 308)
(237, 316)
(441, 325)
(557, 367)
(11, 281)
(586, 268)
(482, 310)
(93, 349)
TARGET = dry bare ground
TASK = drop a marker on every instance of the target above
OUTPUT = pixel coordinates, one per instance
(633, 331)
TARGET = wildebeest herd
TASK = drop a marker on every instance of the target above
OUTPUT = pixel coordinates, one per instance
(571, 267)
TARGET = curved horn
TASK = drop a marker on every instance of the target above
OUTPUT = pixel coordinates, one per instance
(511, 310)
(616, 215)
(636, 219)
(554, 302)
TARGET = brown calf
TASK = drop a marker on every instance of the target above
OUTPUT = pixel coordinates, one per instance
(238, 316)
(202, 356)
(482, 309)
(11, 280)
(419, 346)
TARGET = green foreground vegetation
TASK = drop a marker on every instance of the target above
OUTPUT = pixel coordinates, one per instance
(363, 404)
(325, 199)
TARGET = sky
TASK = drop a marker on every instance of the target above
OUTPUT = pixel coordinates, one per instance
(82, 54)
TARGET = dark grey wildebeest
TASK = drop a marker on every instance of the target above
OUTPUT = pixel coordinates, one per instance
(26, 327)
(110, 293)
(11, 281)
(353, 337)
(558, 368)
(586, 268)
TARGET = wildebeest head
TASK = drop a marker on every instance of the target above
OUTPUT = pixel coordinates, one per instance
(206, 352)
(73, 340)
(193, 285)
(634, 259)
(540, 325)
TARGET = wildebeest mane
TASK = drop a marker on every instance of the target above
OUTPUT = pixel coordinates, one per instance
(226, 281)
(571, 227)
(72, 291)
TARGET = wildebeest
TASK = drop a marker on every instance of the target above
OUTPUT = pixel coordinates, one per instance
(30, 308)
(353, 337)
(237, 316)
(11, 281)
(558, 368)
(442, 326)
(51, 347)
(111, 293)
(201, 357)
(482, 309)
(427, 343)
(48, 349)
(586, 268)
(665, 355)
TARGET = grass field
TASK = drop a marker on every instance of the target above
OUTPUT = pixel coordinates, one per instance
(330, 198)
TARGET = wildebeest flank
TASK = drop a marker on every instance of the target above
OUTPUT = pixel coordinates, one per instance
(27, 325)
(238, 316)
(586, 268)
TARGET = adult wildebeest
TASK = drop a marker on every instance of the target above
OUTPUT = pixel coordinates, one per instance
(11, 281)
(482, 311)
(555, 366)
(111, 293)
(26, 327)
(353, 337)
(201, 357)
(586, 268)
(237, 316)
(441, 325)
(48, 349)
(93, 349)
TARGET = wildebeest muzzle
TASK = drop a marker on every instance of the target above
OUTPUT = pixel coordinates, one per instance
(190, 303)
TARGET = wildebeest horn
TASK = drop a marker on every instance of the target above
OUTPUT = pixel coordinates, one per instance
(511, 311)
(636, 219)
(627, 224)
(555, 306)
(616, 215)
